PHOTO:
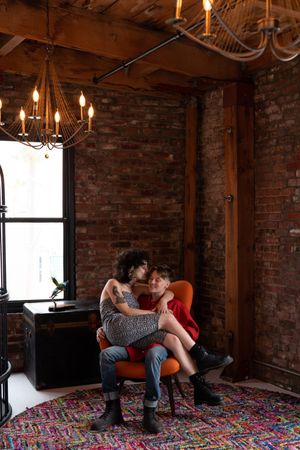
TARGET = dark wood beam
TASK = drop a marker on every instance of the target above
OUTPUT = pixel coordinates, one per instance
(280, 10)
(80, 68)
(239, 224)
(11, 45)
(266, 61)
(88, 32)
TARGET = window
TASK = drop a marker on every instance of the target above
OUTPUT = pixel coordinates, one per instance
(38, 220)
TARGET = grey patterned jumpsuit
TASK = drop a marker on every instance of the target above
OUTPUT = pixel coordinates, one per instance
(139, 331)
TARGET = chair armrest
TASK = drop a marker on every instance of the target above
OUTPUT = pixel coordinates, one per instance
(104, 343)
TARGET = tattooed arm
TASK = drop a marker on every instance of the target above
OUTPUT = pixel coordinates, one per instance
(113, 290)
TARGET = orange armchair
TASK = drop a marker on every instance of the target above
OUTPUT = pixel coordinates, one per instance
(135, 371)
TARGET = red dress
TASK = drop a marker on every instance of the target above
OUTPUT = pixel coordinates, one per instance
(181, 313)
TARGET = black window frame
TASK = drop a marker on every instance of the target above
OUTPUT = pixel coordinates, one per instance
(15, 306)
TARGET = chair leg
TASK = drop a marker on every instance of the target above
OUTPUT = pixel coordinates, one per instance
(178, 384)
(121, 384)
(168, 381)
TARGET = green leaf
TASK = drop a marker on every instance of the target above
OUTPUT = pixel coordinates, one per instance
(55, 281)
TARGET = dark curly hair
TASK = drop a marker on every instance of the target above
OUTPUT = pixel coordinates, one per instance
(163, 270)
(126, 260)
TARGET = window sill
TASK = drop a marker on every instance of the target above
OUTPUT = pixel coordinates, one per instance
(16, 306)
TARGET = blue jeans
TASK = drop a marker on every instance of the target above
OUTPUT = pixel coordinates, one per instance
(153, 359)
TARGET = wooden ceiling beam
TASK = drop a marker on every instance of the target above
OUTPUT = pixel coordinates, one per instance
(11, 45)
(80, 68)
(280, 10)
(88, 32)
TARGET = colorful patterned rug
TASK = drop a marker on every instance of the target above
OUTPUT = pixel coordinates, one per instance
(248, 419)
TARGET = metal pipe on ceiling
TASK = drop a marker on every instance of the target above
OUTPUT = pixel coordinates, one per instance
(128, 63)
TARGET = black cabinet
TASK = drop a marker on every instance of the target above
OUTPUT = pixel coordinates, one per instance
(61, 347)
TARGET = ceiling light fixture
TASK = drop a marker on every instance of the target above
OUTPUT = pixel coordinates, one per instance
(242, 30)
(47, 121)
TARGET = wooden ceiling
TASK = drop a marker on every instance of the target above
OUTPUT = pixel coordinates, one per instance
(93, 37)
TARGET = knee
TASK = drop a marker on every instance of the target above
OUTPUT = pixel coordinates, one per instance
(106, 356)
(171, 341)
(168, 319)
(156, 355)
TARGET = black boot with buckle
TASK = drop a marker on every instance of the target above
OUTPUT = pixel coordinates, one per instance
(111, 416)
(208, 361)
(202, 391)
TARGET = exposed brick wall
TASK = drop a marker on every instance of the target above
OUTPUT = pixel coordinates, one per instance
(277, 223)
(129, 185)
(277, 220)
(211, 222)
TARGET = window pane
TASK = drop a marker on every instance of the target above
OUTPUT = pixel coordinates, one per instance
(33, 184)
(34, 253)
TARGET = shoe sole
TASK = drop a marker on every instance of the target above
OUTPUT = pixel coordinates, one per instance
(228, 360)
(198, 406)
(101, 429)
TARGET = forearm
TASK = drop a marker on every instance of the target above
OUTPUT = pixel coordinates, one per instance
(168, 296)
(137, 312)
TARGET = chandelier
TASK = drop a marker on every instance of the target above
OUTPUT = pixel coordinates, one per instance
(46, 121)
(243, 29)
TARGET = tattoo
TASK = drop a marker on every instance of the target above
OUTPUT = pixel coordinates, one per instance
(119, 298)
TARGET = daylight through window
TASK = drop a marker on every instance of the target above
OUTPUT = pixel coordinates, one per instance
(34, 220)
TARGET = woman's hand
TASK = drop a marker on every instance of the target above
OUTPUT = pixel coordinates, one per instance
(100, 334)
(162, 307)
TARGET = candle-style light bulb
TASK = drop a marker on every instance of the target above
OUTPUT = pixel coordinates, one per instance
(22, 118)
(57, 120)
(91, 113)
(35, 98)
(207, 5)
(178, 9)
(82, 104)
(207, 8)
(35, 95)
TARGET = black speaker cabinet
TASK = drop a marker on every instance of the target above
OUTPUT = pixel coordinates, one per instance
(61, 347)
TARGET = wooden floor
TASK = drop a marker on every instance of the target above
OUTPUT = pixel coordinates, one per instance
(23, 395)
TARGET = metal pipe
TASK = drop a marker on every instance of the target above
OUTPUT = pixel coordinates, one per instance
(32, 219)
(272, 366)
(3, 209)
(5, 366)
(128, 63)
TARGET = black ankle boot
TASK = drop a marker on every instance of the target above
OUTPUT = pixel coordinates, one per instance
(208, 361)
(202, 392)
(111, 416)
(151, 422)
